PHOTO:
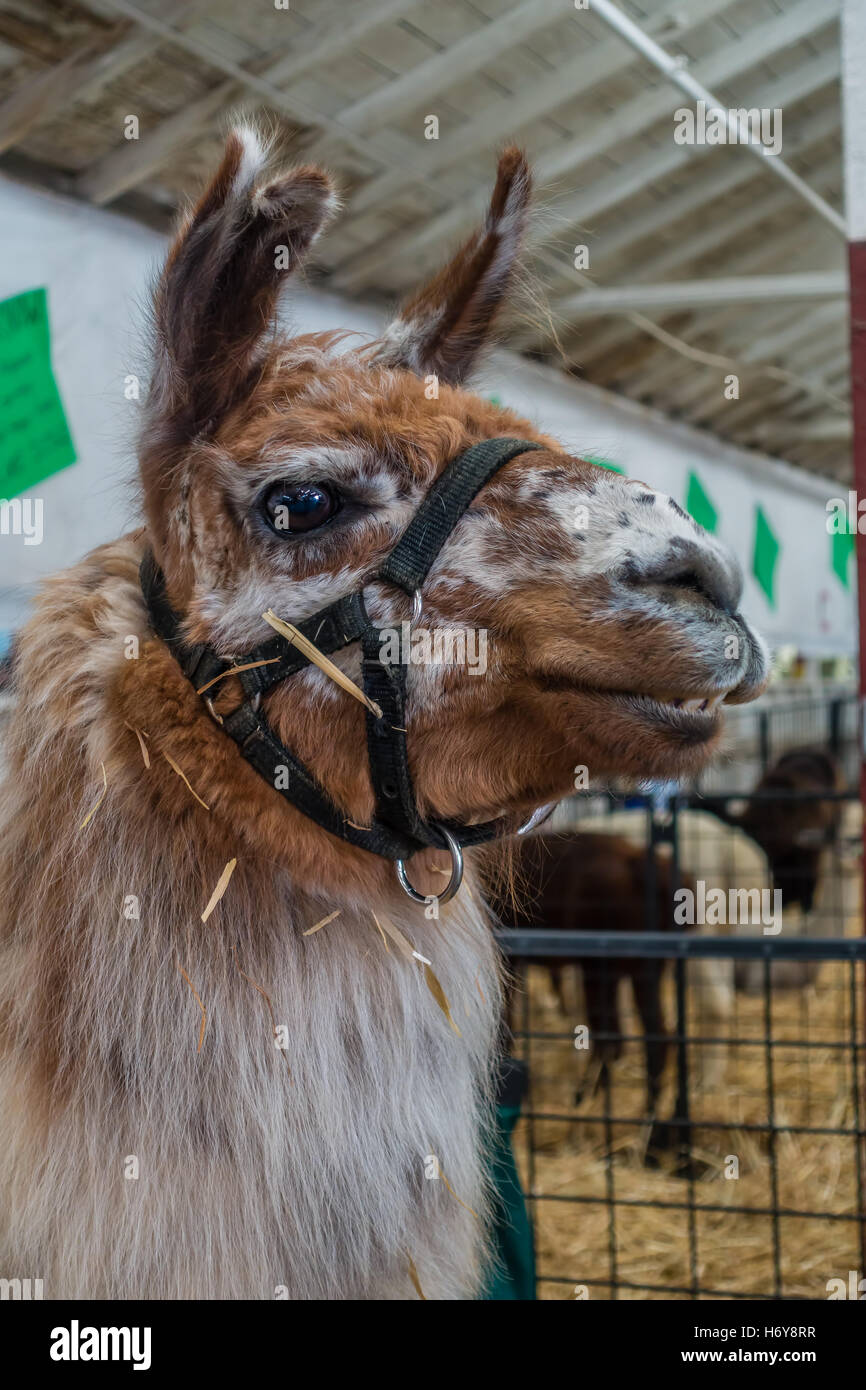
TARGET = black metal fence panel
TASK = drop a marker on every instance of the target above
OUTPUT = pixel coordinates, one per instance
(696, 1126)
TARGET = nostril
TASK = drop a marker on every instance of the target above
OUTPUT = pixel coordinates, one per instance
(690, 579)
(692, 569)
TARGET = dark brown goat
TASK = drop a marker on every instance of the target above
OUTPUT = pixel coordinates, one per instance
(597, 882)
(791, 831)
(594, 881)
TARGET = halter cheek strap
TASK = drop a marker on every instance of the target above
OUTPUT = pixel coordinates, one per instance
(397, 829)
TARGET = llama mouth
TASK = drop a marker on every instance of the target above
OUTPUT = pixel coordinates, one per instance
(690, 717)
(692, 704)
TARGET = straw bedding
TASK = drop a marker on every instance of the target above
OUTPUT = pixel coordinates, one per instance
(734, 1252)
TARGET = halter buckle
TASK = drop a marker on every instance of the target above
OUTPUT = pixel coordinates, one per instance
(453, 883)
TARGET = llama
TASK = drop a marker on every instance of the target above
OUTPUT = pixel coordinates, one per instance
(274, 1097)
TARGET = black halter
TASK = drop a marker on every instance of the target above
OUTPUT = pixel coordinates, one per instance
(397, 831)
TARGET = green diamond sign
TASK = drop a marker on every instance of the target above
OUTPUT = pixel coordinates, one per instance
(766, 554)
(699, 506)
(841, 550)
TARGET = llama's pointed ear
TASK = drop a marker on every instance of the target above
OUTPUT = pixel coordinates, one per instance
(442, 329)
(218, 292)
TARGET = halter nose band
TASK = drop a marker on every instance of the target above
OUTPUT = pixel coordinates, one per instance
(412, 558)
(397, 830)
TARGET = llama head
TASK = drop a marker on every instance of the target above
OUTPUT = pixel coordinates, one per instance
(600, 624)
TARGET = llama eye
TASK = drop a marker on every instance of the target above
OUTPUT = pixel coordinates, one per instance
(292, 507)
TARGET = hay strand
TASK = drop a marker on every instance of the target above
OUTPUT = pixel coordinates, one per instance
(235, 671)
(386, 925)
(221, 886)
(323, 923)
(180, 772)
(382, 934)
(200, 1004)
(464, 1205)
(141, 736)
(91, 813)
(416, 1282)
(312, 653)
(439, 995)
(267, 999)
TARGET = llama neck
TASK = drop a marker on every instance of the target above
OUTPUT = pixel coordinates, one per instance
(242, 1062)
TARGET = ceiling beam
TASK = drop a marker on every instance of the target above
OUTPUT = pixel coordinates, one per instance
(741, 55)
(698, 385)
(675, 72)
(712, 329)
(720, 228)
(82, 75)
(133, 161)
(595, 64)
(131, 164)
(134, 48)
(442, 70)
(597, 198)
(263, 87)
(715, 182)
(336, 35)
(698, 294)
(831, 428)
(41, 95)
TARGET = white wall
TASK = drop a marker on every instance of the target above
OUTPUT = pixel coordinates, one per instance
(97, 268)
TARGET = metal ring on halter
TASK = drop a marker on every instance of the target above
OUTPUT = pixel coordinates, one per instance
(417, 605)
(453, 883)
(537, 818)
(211, 711)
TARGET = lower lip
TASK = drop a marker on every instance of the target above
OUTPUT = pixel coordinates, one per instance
(697, 722)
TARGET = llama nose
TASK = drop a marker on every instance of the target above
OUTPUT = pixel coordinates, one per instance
(694, 568)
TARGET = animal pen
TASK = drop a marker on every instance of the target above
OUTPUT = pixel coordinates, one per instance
(746, 1179)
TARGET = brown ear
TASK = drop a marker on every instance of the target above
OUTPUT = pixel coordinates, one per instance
(442, 329)
(218, 293)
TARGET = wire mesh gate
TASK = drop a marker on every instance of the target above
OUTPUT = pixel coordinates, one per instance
(744, 1180)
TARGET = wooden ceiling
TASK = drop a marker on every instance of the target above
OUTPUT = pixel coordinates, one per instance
(701, 264)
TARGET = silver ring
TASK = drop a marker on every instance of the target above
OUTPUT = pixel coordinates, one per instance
(453, 883)
(417, 606)
(213, 714)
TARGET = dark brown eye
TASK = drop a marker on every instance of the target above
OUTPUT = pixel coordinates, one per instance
(293, 507)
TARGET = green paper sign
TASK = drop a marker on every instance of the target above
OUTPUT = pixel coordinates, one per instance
(765, 556)
(699, 506)
(841, 550)
(34, 436)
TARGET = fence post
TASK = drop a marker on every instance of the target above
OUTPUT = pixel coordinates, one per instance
(834, 730)
(853, 47)
(764, 739)
(682, 1112)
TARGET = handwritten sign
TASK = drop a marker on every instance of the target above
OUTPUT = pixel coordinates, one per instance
(34, 436)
